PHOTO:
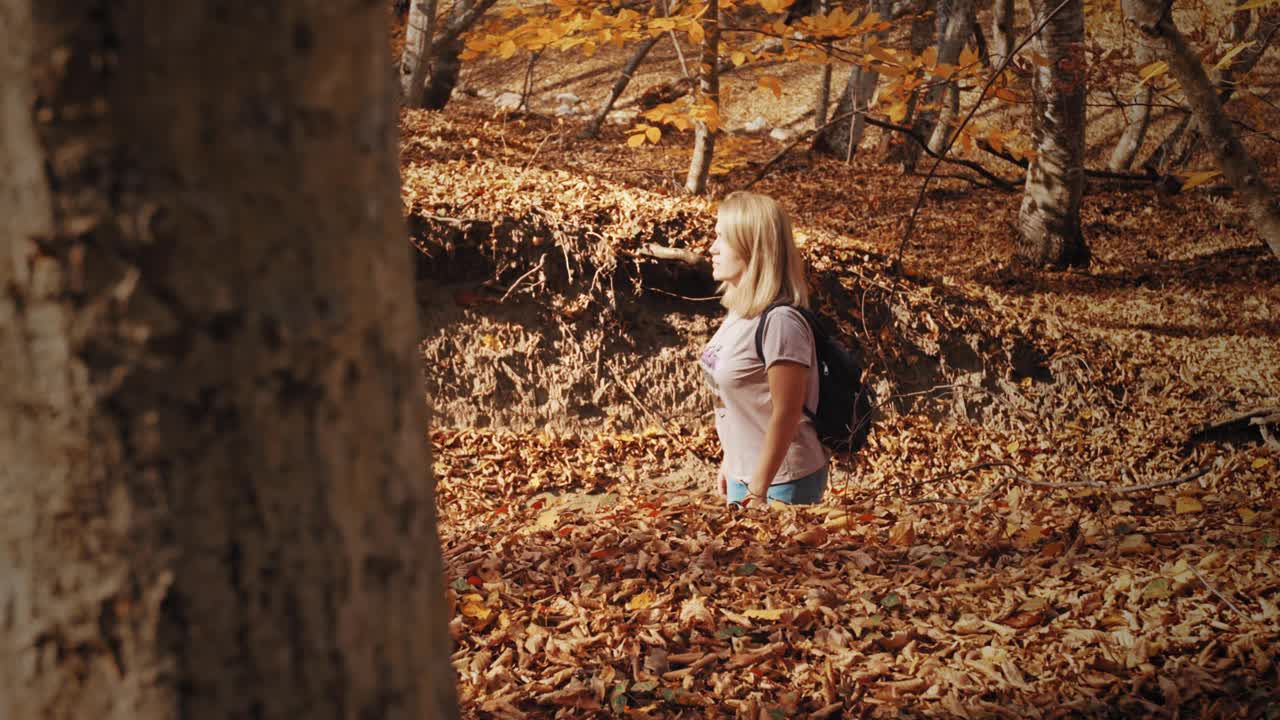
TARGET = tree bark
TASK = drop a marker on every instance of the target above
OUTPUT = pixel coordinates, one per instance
(417, 51)
(824, 82)
(1185, 139)
(1001, 31)
(955, 28)
(443, 65)
(922, 35)
(705, 140)
(619, 86)
(1137, 117)
(1153, 19)
(1049, 219)
(216, 494)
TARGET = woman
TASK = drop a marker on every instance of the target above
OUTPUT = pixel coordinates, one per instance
(771, 450)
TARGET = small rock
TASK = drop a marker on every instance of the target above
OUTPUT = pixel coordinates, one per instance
(756, 125)
(782, 134)
(507, 101)
(566, 111)
(485, 93)
(567, 98)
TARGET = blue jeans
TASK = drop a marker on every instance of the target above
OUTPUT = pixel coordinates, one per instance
(801, 491)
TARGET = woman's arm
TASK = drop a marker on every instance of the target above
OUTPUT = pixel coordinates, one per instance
(788, 384)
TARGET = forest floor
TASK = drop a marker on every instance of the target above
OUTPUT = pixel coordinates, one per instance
(1040, 526)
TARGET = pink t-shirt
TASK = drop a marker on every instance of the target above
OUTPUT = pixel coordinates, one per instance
(740, 381)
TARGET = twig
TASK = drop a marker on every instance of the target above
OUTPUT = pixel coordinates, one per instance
(1123, 490)
(520, 279)
(662, 252)
(909, 132)
(1214, 590)
(683, 297)
(911, 221)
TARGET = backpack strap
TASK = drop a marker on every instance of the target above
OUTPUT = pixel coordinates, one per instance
(760, 344)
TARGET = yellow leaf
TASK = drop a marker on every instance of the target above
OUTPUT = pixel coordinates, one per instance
(771, 82)
(1226, 59)
(968, 58)
(1254, 4)
(473, 607)
(1187, 504)
(635, 140)
(739, 57)
(1247, 515)
(506, 49)
(773, 614)
(1155, 69)
(642, 601)
(654, 134)
(1013, 447)
(696, 33)
(1260, 463)
(1198, 178)
(774, 6)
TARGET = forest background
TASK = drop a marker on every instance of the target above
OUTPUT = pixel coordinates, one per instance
(1066, 507)
(1049, 231)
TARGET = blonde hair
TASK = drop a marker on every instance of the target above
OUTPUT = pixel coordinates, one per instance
(759, 230)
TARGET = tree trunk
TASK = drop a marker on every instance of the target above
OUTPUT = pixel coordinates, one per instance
(705, 140)
(942, 102)
(417, 51)
(823, 100)
(216, 495)
(922, 35)
(443, 65)
(824, 96)
(1153, 20)
(1240, 20)
(1182, 143)
(1049, 219)
(619, 86)
(842, 138)
(1136, 117)
(1001, 31)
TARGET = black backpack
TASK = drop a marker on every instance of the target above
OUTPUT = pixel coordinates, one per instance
(845, 401)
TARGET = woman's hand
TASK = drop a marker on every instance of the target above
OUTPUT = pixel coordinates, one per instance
(722, 482)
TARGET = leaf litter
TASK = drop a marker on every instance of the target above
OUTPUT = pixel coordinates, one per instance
(978, 559)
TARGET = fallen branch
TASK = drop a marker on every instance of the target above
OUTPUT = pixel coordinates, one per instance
(1122, 490)
(1214, 590)
(684, 255)
(1003, 183)
(752, 657)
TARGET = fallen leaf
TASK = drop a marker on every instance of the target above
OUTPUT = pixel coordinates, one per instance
(642, 601)
(765, 614)
(1187, 504)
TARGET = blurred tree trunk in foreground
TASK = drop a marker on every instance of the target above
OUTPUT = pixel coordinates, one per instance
(1049, 231)
(215, 499)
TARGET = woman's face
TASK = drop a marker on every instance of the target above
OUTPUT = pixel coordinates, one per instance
(726, 264)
